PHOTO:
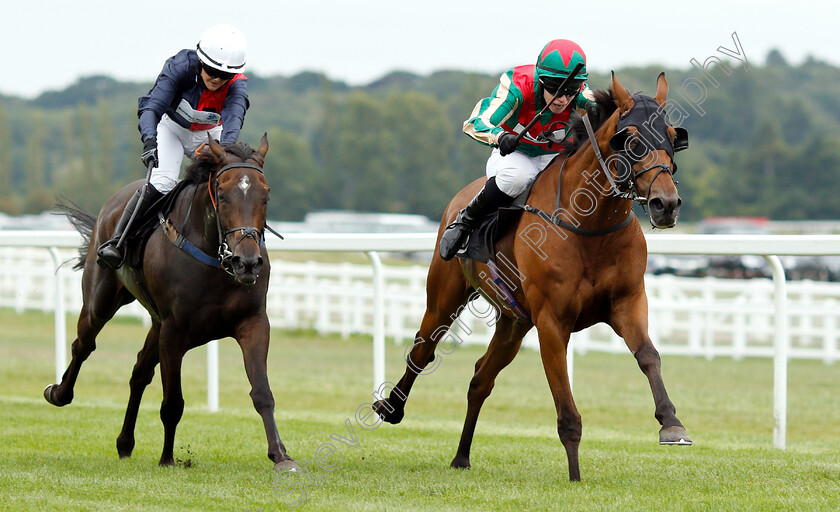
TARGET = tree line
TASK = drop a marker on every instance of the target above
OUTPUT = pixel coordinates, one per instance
(767, 142)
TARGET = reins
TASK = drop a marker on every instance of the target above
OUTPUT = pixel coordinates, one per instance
(616, 192)
(615, 189)
(557, 221)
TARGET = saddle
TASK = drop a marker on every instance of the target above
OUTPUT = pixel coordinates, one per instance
(135, 241)
(135, 245)
(481, 244)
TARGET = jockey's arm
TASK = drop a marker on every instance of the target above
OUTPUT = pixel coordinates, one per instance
(233, 111)
(484, 123)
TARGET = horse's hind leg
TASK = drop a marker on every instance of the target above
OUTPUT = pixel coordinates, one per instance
(103, 297)
(446, 291)
(502, 349)
(141, 376)
(630, 322)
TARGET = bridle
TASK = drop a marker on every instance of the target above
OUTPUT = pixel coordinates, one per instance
(631, 181)
(258, 235)
(225, 254)
(626, 187)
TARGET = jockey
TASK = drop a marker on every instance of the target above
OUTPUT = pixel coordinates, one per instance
(495, 121)
(198, 92)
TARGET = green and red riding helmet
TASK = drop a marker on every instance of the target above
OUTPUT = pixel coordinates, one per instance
(557, 60)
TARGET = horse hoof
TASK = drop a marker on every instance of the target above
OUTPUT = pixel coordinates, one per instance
(287, 466)
(675, 435)
(388, 412)
(125, 448)
(48, 395)
(460, 462)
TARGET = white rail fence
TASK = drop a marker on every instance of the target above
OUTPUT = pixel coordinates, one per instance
(688, 316)
(706, 317)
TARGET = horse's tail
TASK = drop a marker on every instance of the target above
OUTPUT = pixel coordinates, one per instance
(83, 222)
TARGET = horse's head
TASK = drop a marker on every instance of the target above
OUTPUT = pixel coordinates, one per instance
(239, 193)
(644, 144)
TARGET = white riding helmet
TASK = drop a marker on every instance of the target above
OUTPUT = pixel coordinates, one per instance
(222, 47)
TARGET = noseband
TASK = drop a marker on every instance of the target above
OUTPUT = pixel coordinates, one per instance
(225, 252)
(632, 181)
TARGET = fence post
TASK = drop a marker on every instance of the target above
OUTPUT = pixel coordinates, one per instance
(213, 376)
(780, 353)
(60, 317)
(378, 321)
(830, 330)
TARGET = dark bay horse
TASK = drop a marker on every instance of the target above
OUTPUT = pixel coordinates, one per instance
(567, 270)
(221, 214)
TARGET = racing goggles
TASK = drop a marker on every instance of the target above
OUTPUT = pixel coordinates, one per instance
(551, 86)
(215, 73)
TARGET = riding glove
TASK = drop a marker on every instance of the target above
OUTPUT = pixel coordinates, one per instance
(507, 143)
(150, 153)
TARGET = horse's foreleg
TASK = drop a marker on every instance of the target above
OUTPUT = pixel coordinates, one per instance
(253, 339)
(141, 376)
(554, 341)
(630, 322)
(172, 406)
(502, 349)
(446, 291)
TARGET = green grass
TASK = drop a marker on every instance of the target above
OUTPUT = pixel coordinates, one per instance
(65, 459)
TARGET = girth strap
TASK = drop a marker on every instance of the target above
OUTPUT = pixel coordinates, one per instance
(181, 242)
(515, 306)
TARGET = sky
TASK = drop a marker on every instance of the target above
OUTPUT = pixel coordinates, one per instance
(49, 45)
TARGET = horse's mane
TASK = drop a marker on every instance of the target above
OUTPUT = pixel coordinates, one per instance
(604, 108)
(200, 170)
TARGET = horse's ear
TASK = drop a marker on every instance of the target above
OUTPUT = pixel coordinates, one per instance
(218, 151)
(661, 89)
(620, 95)
(263, 149)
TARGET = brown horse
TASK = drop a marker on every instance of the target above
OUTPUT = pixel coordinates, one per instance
(193, 295)
(568, 270)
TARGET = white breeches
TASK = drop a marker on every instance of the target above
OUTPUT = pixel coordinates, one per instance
(515, 172)
(175, 141)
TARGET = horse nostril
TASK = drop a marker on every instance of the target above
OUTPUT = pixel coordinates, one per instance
(656, 204)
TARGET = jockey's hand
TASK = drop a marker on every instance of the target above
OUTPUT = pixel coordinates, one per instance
(150, 153)
(507, 143)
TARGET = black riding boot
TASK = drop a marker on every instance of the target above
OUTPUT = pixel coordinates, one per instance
(488, 200)
(110, 254)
